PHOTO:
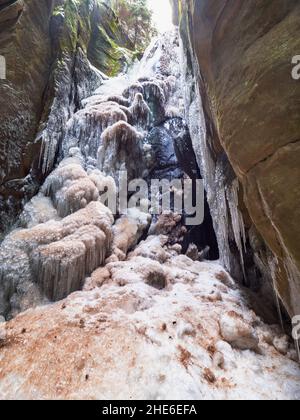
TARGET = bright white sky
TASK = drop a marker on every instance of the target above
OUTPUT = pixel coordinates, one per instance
(162, 14)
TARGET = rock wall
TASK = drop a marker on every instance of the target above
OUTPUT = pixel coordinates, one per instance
(48, 47)
(239, 55)
(26, 45)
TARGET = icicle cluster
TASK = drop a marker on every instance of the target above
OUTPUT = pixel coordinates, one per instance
(237, 221)
(74, 81)
(85, 128)
(57, 255)
(223, 201)
(71, 188)
(140, 112)
(121, 149)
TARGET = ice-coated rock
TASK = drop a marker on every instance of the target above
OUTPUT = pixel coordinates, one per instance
(56, 255)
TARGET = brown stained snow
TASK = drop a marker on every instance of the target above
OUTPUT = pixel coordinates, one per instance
(127, 339)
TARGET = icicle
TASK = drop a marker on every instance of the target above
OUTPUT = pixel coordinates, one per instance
(121, 148)
(272, 261)
(220, 214)
(278, 307)
(297, 349)
(140, 112)
(237, 221)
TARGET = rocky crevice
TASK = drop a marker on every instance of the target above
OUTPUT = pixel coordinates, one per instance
(292, 142)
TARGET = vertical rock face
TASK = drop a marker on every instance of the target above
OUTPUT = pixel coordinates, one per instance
(239, 57)
(48, 46)
(26, 46)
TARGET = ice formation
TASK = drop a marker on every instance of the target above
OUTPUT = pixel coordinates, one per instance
(70, 188)
(57, 243)
(37, 211)
(223, 203)
(121, 149)
(169, 224)
(127, 232)
(56, 255)
(140, 111)
(85, 128)
(70, 90)
(237, 221)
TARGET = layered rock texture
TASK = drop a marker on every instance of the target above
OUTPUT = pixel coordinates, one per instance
(239, 59)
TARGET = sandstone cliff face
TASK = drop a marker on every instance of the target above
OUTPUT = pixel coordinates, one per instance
(240, 54)
(47, 46)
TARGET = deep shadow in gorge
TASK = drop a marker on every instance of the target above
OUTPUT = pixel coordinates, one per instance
(174, 157)
(204, 236)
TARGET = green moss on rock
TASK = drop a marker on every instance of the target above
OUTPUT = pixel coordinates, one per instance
(92, 26)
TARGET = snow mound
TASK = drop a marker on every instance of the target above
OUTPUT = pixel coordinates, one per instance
(143, 329)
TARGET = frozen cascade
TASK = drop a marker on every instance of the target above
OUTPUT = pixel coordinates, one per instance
(59, 240)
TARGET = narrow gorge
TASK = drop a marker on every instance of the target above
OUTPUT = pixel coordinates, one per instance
(107, 299)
